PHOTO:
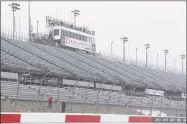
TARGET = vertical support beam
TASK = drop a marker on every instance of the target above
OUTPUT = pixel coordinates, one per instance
(98, 95)
(17, 89)
(161, 102)
(152, 98)
(41, 85)
(142, 103)
(73, 93)
(109, 96)
(86, 95)
(120, 92)
(60, 86)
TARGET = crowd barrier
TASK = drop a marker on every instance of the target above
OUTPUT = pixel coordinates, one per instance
(85, 118)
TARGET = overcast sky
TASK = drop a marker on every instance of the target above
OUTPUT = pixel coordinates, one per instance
(161, 24)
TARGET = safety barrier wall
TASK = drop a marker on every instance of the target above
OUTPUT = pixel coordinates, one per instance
(85, 118)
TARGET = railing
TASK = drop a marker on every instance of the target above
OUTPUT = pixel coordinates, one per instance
(130, 60)
(24, 38)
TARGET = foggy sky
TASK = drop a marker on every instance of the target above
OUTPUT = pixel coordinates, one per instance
(161, 24)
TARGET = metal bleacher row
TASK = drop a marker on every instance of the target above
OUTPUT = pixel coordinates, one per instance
(25, 94)
(40, 58)
(88, 67)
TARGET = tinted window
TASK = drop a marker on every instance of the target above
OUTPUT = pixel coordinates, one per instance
(81, 37)
(75, 36)
(85, 38)
(72, 35)
(68, 34)
(56, 32)
(78, 37)
(63, 33)
(93, 40)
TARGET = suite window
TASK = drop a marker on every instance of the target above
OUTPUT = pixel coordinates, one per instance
(63, 33)
(93, 40)
(56, 32)
(85, 38)
(72, 35)
(68, 34)
(81, 37)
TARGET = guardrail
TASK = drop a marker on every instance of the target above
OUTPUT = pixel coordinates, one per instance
(85, 118)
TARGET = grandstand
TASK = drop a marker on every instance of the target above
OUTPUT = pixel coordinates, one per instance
(31, 72)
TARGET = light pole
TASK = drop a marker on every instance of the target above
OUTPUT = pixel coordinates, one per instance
(75, 13)
(157, 60)
(15, 7)
(37, 27)
(136, 55)
(174, 64)
(111, 47)
(29, 21)
(165, 52)
(182, 57)
(19, 27)
(147, 46)
(124, 39)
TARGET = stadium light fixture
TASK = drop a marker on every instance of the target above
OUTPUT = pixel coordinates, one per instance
(182, 57)
(124, 39)
(147, 46)
(75, 13)
(165, 52)
(14, 7)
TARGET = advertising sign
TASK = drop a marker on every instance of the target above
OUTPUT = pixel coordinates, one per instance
(77, 44)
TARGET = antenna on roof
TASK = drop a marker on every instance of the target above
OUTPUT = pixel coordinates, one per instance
(75, 13)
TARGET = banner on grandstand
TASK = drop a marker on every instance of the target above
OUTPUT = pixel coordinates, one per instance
(77, 44)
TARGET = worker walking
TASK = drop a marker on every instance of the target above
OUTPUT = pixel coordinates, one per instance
(63, 106)
(50, 102)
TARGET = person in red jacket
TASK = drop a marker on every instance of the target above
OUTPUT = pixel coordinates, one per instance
(50, 102)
